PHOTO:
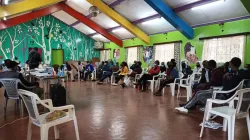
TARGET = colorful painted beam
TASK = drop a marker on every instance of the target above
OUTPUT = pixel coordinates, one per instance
(120, 20)
(91, 24)
(25, 6)
(29, 16)
(166, 12)
(246, 3)
(54, 8)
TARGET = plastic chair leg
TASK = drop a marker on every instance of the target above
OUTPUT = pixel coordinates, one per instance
(172, 87)
(56, 131)
(248, 125)
(233, 127)
(5, 106)
(76, 129)
(229, 132)
(29, 134)
(44, 133)
(224, 124)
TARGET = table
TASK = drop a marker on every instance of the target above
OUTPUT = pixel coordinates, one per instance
(46, 79)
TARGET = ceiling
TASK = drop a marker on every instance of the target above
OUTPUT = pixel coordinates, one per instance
(134, 10)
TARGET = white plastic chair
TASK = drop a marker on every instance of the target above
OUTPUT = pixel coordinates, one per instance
(153, 83)
(172, 85)
(113, 76)
(11, 86)
(31, 100)
(229, 113)
(186, 83)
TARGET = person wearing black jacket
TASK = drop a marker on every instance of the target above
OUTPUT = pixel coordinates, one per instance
(11, 73)
(34, 58)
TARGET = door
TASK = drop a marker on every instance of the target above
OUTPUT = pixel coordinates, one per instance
(57, 57)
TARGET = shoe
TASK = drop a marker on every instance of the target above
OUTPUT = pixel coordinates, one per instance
(122, 85)
(136, 83)
(182, 109)
(158, 94)
(142, 90)
(114, 84)
(73, 81)
(99, 82)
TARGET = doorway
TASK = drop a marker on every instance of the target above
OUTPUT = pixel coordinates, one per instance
(57, 56)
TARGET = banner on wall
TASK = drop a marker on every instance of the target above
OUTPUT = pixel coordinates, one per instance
(190, 53)
(148, 54)
(116, 54)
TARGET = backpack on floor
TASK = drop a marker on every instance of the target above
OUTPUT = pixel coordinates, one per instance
(58, 95)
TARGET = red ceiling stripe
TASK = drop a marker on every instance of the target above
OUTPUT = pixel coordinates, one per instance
(54, 8)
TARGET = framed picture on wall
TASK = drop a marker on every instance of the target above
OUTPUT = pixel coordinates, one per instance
(148, 54)
(116, 54)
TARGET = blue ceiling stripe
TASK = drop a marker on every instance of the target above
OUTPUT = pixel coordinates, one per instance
(166, 12)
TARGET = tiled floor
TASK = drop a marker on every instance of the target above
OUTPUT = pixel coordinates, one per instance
(111, 113)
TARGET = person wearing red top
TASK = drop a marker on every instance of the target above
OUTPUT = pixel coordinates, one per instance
(149, 76)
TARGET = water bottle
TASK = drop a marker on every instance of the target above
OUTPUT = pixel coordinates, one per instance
(62, 73)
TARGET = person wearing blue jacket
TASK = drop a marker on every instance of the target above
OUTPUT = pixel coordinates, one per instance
(88, 70)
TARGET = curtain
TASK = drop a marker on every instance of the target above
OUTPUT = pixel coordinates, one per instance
(132, 55)
(104, 55)
(164, 52)
(224, 49)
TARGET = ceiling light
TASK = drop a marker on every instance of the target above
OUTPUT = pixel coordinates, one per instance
(97, 35)
(6, 2)
(118, 30)
(151, 21)
(208, 5)
(4, 18)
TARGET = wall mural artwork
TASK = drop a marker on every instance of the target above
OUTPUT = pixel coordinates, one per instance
(190, 53)
(147, 54)
(46, 33)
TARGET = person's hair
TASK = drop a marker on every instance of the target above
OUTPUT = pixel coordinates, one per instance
(36, 48)
(162, 63)
(172, 60)
(106, 62)
(235, 62)
(226, 64)
(79, 62)
(7, 63)
(212, 63)
(139, 63)
(157, 62)
(102, 62)
(124, 64)
(16, 58)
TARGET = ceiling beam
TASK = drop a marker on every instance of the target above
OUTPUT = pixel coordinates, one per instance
(246, 3)
(24, 6)
(54, 8)
(91, 24)
(29, 16)
(177, 10)
(166, 12)
(112, 5)
(120, 20)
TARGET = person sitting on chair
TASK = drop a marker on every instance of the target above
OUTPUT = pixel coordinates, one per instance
(230, 81)
(155, 70)
(11, 73)
(186, 70)
(133, 66)
(122, 74)
(70, 71)
(107, 71)
(88, 70)
(163, 67)
(171, 73)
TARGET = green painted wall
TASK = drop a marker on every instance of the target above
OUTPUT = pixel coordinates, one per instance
(47, 33)
(240, 26)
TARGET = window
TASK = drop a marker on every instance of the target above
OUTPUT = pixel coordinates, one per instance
(132, 55)
(224, 49)
(164, 52)
(104, 55)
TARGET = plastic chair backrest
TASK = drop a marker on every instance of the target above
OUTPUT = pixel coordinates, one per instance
(11, 86)
(30, 100)
(181, 75)
(243, 104)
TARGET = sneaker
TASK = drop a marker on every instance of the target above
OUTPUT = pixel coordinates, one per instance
(182, 109)
(114, 84)
(99, 82)
(181, 105)
(122, 85)
(142, 90)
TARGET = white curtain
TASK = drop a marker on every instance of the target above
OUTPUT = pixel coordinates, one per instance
(224, 49)
(164, 52)
(104, 55)
(132, 55)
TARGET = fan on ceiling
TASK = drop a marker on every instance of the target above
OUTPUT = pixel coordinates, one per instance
(93, 11)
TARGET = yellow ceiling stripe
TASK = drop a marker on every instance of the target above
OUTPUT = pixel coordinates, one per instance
(24, 6)
(120, 20)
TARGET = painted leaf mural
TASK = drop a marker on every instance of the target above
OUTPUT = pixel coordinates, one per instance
(46, 33)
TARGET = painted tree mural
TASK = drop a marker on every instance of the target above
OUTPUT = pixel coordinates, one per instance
(46, 33)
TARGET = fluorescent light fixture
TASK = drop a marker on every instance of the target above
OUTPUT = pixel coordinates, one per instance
(208, 5)
(151, 21)
(118, 30)
(97, 35)
(6, 2)
(4, 18)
